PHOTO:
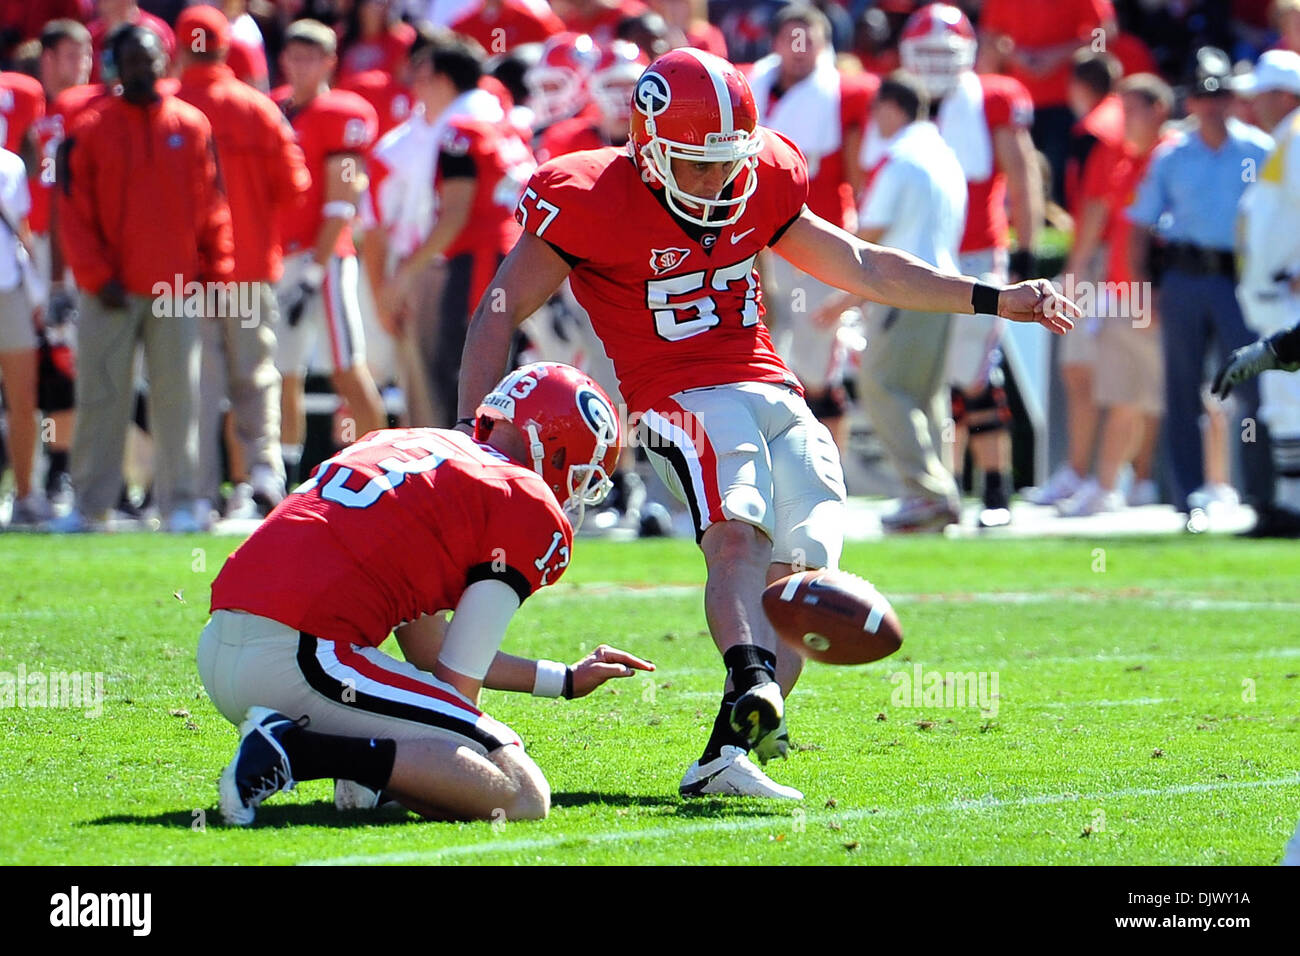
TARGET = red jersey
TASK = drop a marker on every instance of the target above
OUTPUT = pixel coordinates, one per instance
(394, 527)
(1004, 103)
(333, 123)
(500, 165)
(1095, 142)
(22, 103)
(601, 24)
(571, 136)
(676, 307)
(1129, 168)
(1035, 24)
(391, 100)
(50, 130)
(511, 24)
(386, 52)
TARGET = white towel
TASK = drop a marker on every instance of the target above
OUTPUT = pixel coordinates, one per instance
(964, 127)
(808, 112)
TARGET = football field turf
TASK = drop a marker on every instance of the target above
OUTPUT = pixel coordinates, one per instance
(1141, 704)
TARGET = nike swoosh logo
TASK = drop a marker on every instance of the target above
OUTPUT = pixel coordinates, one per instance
(741, 235)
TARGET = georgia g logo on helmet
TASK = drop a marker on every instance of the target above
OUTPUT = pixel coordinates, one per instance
(652, 94)
(597, 413)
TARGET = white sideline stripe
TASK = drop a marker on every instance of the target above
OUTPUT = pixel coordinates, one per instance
(761, 823)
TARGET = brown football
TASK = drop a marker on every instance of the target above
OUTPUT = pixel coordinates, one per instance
(833, 617)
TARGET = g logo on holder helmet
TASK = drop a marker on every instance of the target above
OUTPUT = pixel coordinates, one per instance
(597, 413)
(652, 94)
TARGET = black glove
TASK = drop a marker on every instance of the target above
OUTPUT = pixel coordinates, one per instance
(1245, 363)
(296, 298)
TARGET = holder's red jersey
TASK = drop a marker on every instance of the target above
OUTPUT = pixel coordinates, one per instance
(676, 307)
(333, 123)
(393, 527)
(22, 103)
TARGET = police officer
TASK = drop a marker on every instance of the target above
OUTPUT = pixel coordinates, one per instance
(1188, 201)
(1270, 271)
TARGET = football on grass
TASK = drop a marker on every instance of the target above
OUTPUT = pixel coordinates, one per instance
(833, 617)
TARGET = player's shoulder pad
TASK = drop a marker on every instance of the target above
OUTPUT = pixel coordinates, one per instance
(596, 180)
(1010, 94)
(780, 153)
(23, 85)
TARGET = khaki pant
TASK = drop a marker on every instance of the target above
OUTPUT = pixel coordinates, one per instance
(903, 389)
(238, 363)
(107, 340)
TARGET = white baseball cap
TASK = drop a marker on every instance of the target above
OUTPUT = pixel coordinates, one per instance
(1275, 70)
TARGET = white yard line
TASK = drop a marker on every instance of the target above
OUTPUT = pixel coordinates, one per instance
(493, 846)
(1180, 602)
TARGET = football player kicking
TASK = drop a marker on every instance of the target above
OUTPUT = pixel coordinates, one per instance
(390, 533)
(658, 242)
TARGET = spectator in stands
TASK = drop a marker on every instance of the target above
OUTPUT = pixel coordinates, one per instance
(263, 171)
(1188, 199)
(649, 31)
(599, 19)
(22, 20)
(374, 38)
(1128, 386)
(1096, 141)
(143, 207)
(18, 339)
(111, 14)
(688, 25)
(1033, 41)
(747, 26)
(498, 26)
(800, 93)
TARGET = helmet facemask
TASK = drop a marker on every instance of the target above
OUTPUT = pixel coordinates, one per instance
(740, 148)
(938, 62)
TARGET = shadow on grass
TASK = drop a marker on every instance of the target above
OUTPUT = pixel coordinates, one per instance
(680, 806)
(320, 814)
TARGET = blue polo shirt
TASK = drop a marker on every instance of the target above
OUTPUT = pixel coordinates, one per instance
(1190, 192)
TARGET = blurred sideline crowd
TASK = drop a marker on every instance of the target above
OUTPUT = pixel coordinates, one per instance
(219, 220)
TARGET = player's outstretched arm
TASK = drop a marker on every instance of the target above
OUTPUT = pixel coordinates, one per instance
(522, 674)
(896, 278)
(527, 277)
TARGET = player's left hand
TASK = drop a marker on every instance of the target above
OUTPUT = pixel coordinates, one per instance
(602, 664)
(1036, 300)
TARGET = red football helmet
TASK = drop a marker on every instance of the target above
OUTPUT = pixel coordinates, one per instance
(697, 107)
(620, 66)
(937, 45)
(557, 85)
(571, 426)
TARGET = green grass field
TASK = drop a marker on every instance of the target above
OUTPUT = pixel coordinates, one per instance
(1148, 711)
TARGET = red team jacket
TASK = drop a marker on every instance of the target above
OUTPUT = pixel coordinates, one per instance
(393, 527)
(261, 166)
(333, 122)
(675, 309)
(50, 131)
(142, 200)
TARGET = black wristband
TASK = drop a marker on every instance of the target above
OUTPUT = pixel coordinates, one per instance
(1023, 264)
(984, 299)
(568, 683)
